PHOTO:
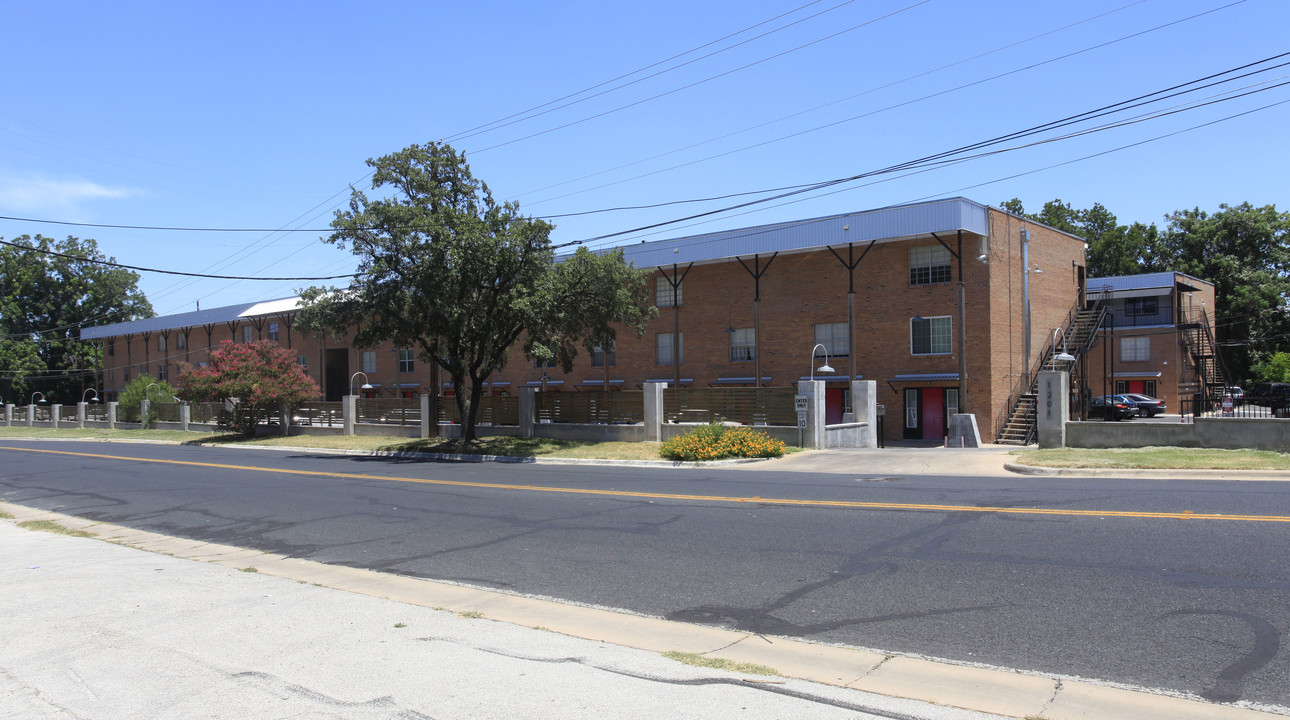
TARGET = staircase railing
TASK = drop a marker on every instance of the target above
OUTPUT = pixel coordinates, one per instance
(1198, 335)
(1029, 383)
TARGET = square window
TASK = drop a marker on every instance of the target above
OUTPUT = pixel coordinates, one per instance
(302, 361)
(931, 336)
(1135, 349)
(406, 363)
(743, 345)
(664, 294)
(833, 336)
(929, 264)
(1141, 306)
(663, 348)
(598, 355)
(369, 361)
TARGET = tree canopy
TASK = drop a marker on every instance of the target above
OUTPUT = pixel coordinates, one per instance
(446, 269)
(49, 290)
(260, 377)
(1242, 249)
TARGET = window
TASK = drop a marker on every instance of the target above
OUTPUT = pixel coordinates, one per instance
(833, 336)
(951, 402)
(1141, 306)
(273, 331)
(1149, 388)
(405, 360)
(663, 348)
(181, 341)
(161, 343)
(246, 334)
(664, 294)
(598, 355)
(929, 264)
(911, 408)
(1135, 349)
(302, 361)
(930, 336)
(127, 376)
(743, 345)
(1121, 387)
(161, 371)
(369, 361)
(548, 364)
(111, 346)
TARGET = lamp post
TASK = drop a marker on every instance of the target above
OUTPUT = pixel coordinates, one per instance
(33, 397)
(1063, 356)
(365, 386)
(823, 368)
(87, 392)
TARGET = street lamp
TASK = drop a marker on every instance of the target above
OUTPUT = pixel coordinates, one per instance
(147, 391)
(33, 397)
(365, 386)
(88, 391)
(1063, 356)
(823, 368)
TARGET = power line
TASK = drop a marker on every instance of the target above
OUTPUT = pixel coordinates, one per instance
(109, 263)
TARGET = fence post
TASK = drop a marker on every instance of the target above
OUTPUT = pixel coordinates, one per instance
(31, 415)
(864, 406)
(528, 411)
(81, 409)
(8, 414)
(144, 406)
(425, 417)
(814, 436)
(1053, 408)
(185, 416)
(112, 407)
(348, 411)
(653, 411)
(54, 411)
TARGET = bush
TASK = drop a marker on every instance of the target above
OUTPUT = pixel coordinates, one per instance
(715, 442)
(131, 398)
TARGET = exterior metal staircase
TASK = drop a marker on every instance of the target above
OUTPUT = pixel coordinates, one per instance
(1077, 335)
(1198, 339)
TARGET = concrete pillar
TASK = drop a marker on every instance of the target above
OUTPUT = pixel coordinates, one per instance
(653, 411)
(54, 410)
(81, 409)
(185, 416)
(31, 415)
(349, 411)
(964, 432)
(112, 408)
(8, 414)
(864, 407)
(145, 405)
(425, 417)
(813, 436)
(1053, 408)
(528, 411)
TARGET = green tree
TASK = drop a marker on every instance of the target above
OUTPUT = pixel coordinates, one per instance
(1113, 249)
(260, 378)
(447, 270)
(130, 401)
(49, 290)
(1276, 368)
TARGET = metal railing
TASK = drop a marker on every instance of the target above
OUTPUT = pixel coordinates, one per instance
(746, 406)
(167, 411)
(316, 413)
(388, 411)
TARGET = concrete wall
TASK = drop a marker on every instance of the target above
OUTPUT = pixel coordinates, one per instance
(1224, 433)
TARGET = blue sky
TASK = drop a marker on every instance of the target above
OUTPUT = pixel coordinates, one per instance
(260, 115)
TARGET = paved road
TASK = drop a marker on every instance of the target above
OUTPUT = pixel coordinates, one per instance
(955, 567)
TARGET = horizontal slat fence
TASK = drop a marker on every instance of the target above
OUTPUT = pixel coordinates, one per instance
(96, 413)
(493, 410)
(167, 412)
(388, 411)
(747, 406)
(67, 413)
(319, 413)
(592, 406)
(206, 412)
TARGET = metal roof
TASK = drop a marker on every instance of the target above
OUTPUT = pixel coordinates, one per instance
(197, 318)
(897, 222)
(1147, 281)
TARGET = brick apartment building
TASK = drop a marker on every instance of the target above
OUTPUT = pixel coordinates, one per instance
(775, 301)
(1157, 337)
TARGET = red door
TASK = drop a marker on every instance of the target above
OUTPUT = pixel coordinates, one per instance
(933, 413)
(1135, 386)
(832, 406)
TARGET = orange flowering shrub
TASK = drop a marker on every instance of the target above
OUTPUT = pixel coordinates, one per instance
(716, 442)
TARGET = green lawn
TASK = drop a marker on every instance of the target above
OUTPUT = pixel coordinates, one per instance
(1161, 458)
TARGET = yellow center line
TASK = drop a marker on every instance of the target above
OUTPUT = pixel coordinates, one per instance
(1184, 515)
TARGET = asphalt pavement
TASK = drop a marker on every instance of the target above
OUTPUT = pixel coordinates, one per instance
(128, 623)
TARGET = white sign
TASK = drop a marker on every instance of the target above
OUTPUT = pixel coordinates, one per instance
(801, 422)
(799, 403)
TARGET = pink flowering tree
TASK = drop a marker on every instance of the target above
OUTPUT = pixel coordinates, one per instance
(259, 377)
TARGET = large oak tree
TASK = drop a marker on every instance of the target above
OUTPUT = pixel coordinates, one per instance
(446, 269)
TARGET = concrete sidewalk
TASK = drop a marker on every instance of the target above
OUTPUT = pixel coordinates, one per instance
(151, 626)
